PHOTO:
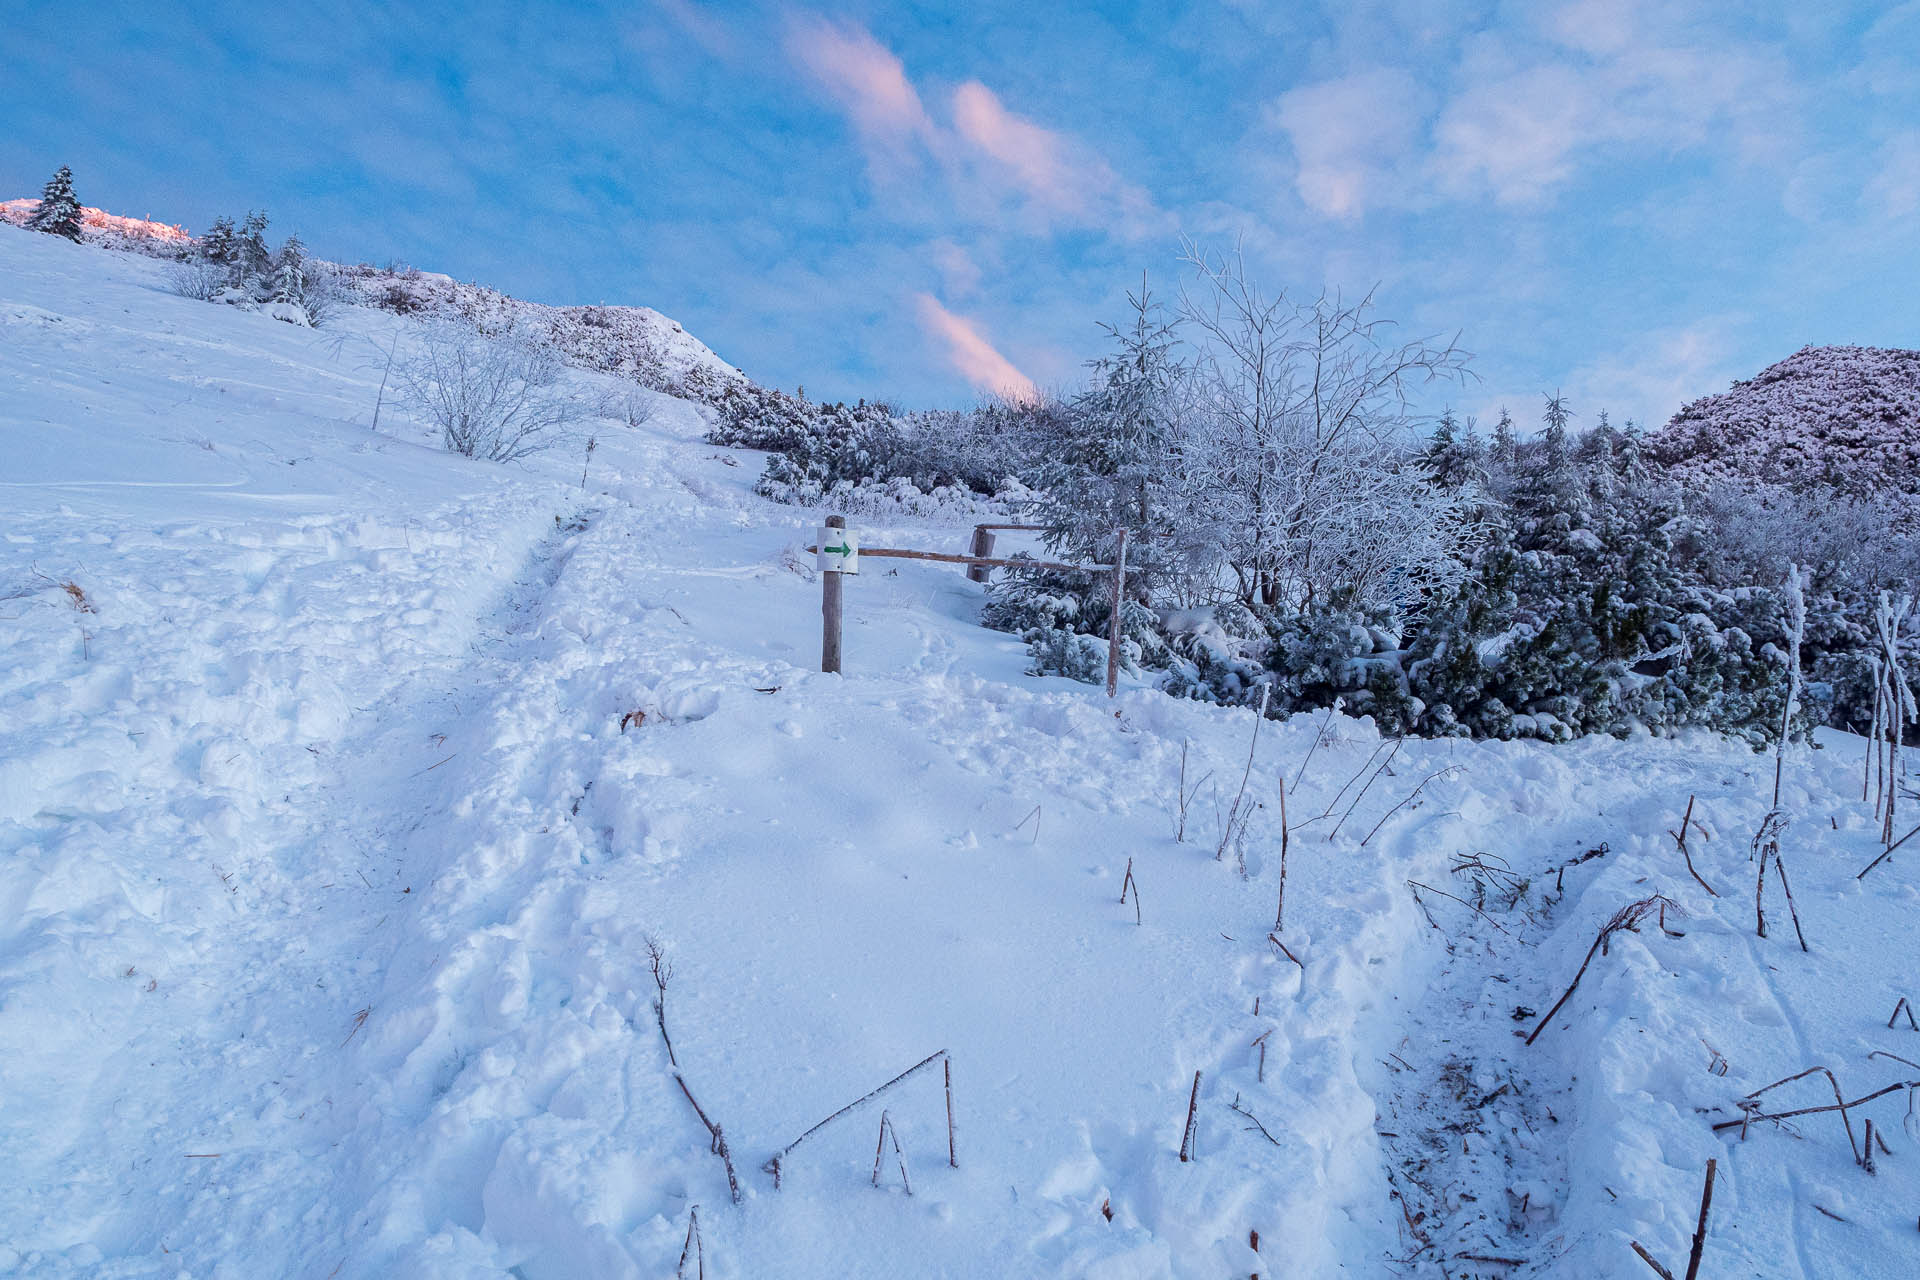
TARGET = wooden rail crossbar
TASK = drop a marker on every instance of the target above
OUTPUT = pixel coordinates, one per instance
(977, 565)
(899, 553)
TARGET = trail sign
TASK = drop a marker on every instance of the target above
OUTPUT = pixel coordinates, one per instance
(839, 552)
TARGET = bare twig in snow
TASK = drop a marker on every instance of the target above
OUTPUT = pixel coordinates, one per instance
(1363, 790)
(1411, 797)
(1234, 812)
(694, 1247)
(1680, 838)
(1256, 1121)
(1628, 919)
(1186, 1135)
(774, 1165)
(886, 1133)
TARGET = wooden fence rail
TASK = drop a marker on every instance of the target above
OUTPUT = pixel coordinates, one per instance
(977, 564)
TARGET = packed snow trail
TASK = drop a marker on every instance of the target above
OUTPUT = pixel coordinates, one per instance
(335, 827)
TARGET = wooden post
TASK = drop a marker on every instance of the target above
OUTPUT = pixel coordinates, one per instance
(983, 547)
(1113, 623)
(830, 610)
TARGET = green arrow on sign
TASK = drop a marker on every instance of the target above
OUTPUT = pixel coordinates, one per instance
(842, 550)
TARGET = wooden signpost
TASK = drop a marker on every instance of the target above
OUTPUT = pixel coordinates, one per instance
(838, 552)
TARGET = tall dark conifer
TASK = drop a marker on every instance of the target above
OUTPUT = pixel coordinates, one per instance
(59, 211)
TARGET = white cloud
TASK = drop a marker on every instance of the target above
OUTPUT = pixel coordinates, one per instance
(1894, 191)
(1349, 135)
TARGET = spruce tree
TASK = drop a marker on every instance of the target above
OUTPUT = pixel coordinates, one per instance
(290, 282)
(59, 211)
(1113, 467)
(217, 244)
(250, 248)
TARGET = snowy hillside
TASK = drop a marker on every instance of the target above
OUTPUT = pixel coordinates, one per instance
(1841, 417)
(345, 783)
(635, 342)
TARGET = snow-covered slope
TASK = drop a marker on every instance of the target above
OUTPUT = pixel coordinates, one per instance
(1844, 418)
(344, 787)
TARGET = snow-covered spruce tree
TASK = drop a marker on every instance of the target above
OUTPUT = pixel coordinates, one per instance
(1107, 460)
(217, 245)
(1112, 466)
(59, 210)
(1586, 612)
(1455, 456)
(252, 260)
(290, 276)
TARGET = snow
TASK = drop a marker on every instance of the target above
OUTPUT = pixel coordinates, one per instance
(338, 807)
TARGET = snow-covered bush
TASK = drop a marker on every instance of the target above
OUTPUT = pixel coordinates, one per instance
(196, 277)
(491, 395)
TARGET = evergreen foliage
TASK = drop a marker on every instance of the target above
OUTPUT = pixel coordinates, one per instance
(59, 210)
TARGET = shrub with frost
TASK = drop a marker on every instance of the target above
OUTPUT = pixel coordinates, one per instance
(491, 395)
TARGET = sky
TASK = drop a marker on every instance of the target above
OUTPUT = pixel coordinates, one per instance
(1631, 203)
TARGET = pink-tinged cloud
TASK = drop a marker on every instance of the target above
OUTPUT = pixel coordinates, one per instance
(863, 76)
(969, 352)
(1037, 158)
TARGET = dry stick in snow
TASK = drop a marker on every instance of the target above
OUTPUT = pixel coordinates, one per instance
(1289, 954)
(773, 1165)
(1700, 1229)
(1780, 865)
(1313, 747)
(1757, 1118)
(1751, 1104)
(1186, 1135)
(1766, 843)
(1280, 906)
(1409, 800)
(886, 1132)
(662, 974)
(1256, 1121)
(1626, 919)
(1131, 883)
(1680, 838)
(1417, 886)
(1896, 1014)
(719, 1146)
(1887, 853)
(1034, 818)
(1332, 804)
(1233, 813)
(1363, 790)
(695, 1246)
(1873, 733)
(1647, 1258)
(1866, 1161)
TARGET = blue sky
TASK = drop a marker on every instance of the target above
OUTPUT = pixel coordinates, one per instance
(1633, 202)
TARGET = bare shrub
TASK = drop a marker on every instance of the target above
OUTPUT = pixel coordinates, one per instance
(196, 277)
(493, 396)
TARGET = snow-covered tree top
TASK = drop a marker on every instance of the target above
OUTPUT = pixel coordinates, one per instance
(1841, 417)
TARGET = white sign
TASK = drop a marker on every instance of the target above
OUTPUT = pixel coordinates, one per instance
(839, 552)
